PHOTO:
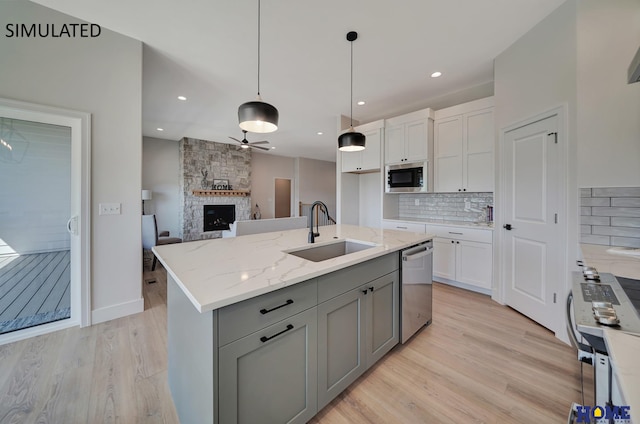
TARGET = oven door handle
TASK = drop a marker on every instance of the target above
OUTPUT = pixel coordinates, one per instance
(571, 329)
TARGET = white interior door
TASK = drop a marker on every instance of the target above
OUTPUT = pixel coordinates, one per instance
(532, 254)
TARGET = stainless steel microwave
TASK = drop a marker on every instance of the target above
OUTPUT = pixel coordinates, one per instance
(407, 178)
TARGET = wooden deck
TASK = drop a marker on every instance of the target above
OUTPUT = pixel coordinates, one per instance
(34, 289)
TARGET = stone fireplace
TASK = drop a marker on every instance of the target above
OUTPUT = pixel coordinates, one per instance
(202, 162)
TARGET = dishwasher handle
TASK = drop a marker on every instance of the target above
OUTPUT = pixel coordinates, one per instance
(419, 252)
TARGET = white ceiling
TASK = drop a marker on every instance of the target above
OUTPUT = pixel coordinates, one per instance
(206, 50)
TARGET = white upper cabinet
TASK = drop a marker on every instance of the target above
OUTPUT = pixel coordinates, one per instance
(464, 142)
(408, 137)
(368, 159)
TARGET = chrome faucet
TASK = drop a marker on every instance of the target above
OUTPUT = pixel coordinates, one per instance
(312, 234)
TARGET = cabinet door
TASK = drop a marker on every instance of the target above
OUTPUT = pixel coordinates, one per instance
(448, 153)
(444, 258)
(474, 263)
(382, 310)
(341, 357)
(416, 141)
(394, 144)
(271, 375)
(371, 153)
(351, 161)
(479, 142)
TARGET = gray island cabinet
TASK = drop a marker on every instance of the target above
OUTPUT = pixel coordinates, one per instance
(282, 356)
(261, 330)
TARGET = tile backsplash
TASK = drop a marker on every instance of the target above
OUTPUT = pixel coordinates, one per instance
(447, 206)
(610, 216)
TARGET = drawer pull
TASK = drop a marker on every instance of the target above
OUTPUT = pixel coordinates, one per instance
(264, 339)
(403, 228)
(266, 311)
(453, 232)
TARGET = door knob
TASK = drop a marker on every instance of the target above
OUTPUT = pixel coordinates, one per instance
(508, 227)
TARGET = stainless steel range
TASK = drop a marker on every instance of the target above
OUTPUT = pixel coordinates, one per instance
(600, 301)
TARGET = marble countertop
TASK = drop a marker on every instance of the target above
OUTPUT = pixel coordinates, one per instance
(219, 272)
(623, 351)
(482, 225)
(610, 259)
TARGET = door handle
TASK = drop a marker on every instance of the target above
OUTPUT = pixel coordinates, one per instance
(508, 227)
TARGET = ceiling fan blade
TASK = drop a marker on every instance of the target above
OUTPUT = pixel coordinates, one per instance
(258, 147)
(259, 142)
(233, 138)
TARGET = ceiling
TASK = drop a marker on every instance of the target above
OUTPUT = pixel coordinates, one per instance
(206, 50)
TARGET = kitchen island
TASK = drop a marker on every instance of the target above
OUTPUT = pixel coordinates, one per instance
(258, 334)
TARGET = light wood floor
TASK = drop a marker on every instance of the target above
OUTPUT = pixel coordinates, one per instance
(478, 362)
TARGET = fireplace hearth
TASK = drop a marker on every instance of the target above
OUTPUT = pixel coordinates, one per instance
(218, 217)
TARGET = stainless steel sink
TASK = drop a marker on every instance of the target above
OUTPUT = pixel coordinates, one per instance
(330, 251)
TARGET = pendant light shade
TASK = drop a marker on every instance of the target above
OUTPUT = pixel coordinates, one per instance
(258, 116)
(351, 141)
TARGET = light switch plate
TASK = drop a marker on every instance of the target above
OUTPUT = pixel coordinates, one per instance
(417, 202)
(109, 208)
(467, 205)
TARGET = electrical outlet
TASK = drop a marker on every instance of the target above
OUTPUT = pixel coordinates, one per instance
(109, 209)
(417, 202)
(467, 204)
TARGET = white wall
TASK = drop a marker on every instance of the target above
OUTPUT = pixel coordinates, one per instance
(608, 107)
(101, 76)
(160, 174)
(265, 168)
(317, 181)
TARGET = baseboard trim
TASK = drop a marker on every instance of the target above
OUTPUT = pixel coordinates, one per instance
(463, 285)
(117, 311)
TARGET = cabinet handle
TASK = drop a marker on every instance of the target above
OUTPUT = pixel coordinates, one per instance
(457, 242)
(453, 232)
(403, 228)
(266, 311)
(452, 241)
(266, 339)
(459, 190)
(464, 189)
(370, 289)
(364, 291)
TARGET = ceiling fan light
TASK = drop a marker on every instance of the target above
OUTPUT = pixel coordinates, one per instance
(351, 141)
(258, 117)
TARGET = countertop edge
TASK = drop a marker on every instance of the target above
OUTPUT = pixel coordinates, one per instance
(621, 346)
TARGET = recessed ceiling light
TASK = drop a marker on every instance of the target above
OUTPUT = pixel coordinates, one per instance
(182, 98)
(160, 129)
(320, 133)
(273, 147)
(436, 74)
(360, 103)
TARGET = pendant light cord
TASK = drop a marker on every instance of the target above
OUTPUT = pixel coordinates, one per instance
(351, 114)
(258, 48)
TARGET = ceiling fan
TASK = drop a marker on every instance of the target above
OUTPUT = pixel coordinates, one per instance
(244, 144)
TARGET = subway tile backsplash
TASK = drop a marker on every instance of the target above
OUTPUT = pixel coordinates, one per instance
(447, 206)
(610, 216)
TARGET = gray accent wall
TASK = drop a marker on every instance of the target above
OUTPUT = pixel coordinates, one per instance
(446, 206)
(610, 216)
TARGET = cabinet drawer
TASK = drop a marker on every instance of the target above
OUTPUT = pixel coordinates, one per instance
(403, 226)
(461, 233)
(243, 318)
(338, 282)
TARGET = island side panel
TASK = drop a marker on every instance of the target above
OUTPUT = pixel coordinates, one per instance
(191, 357)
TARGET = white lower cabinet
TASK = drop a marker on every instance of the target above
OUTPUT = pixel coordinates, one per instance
(413, 227)
(463, 255)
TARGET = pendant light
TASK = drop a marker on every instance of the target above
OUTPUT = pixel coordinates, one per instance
(351, 141)
(258, 116)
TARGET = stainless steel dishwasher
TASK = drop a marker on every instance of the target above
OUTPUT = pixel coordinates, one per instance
(416, 277)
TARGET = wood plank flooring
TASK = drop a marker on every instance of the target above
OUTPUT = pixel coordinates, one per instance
(34, 289)
(478, 362)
